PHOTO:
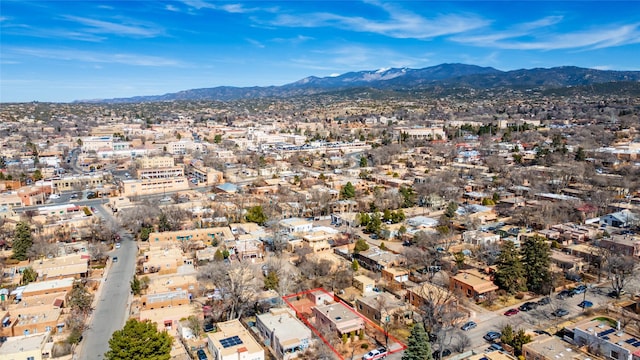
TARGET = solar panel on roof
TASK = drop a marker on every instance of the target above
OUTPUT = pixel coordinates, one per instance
(230, 341)
(630, 341)
(606, 332)
(636, 344)
(605, 338)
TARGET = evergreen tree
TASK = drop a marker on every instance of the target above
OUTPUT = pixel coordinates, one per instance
(163, 223)
(355, 266)
(37, 175)
(450, 212)
(348, 191)
(256, 215)
(535, 260)
(136, 288)
(510, 274)
(139, 340)
(271, 281)
(418, 346)
(22, 241)
(580, 154)
(361, 245)
(218, 256)
(28, 275)
(408, 196)
(363, 161)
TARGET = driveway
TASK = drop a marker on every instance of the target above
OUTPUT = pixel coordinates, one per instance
(112, 304)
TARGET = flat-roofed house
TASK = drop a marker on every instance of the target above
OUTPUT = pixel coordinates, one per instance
(338, 318)
(33, 347)
(47, 287)
(234, 342)
(601, 337)
(545, 347)
(382, 307)
(296, 225)
(284, 333)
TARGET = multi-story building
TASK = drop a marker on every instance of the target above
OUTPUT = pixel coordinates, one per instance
(79, 182)
(135, 187)
(156, 162)
(161, 173)
(95, 143)
(206, 175)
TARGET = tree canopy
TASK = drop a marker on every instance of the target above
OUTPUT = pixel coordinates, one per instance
(139, 340)
(418, 346)
(535, 259)
(509, 270)
(348, 191)
(255, 214)
(22, 241)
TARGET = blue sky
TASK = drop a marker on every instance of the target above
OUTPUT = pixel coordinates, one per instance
(69, 50)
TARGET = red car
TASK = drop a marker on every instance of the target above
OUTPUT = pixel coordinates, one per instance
(511, 312)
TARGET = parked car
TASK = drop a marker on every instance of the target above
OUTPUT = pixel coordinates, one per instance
(468, 326)
(542, 332)
(115, 259)
(492, 336)
(202, 355)
(544, 301)
(495, 347)
(615, 294)
(563, 294)
(54, 196)
(560, 312)
(511, 312)
(581, 289)
(529, 305)
(208, 327)
(585, 304)
(436, 354)
(378, 353)
(117, 245)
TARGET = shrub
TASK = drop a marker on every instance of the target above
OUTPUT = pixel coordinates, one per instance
(364, 346)
(519, 296)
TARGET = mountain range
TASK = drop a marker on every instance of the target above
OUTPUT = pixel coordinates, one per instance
(403, 79)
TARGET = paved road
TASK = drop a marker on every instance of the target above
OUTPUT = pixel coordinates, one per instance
(111, 309)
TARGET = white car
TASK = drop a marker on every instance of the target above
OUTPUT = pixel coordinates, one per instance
(378, 353)
(117, 245)
(54, 196)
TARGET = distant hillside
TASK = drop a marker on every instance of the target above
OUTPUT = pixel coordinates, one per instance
(444, 75)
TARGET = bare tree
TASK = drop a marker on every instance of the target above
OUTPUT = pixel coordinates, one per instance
(620, 269)
(237, 283)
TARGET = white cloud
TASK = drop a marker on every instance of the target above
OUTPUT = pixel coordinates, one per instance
(255, 43)
(230, 8)
(536, 36)
(96, 57)
(106, 27)
(399, 23)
